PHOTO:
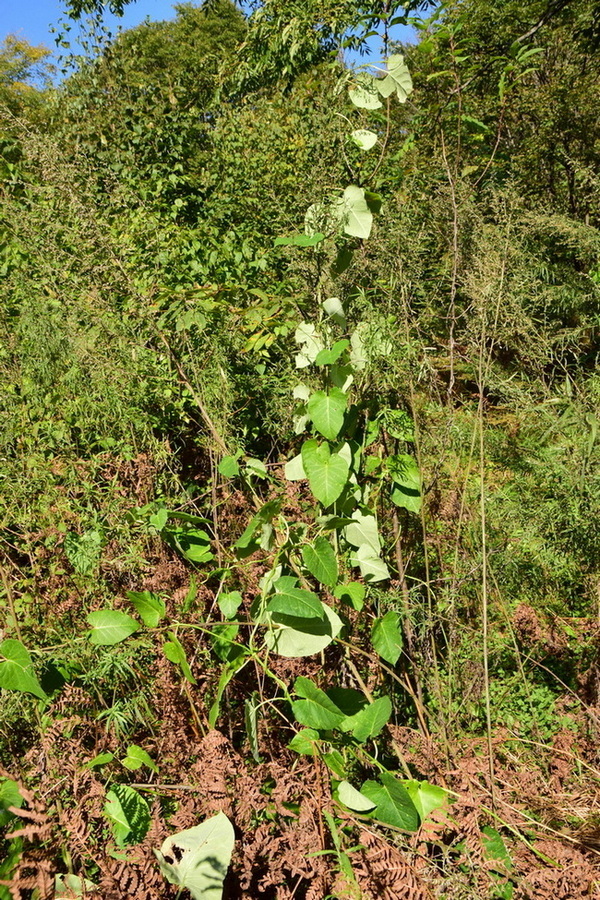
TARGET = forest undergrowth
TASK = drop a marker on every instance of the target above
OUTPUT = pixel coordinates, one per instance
(299, 479)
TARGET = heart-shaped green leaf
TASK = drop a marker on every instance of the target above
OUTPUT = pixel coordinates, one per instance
(327, 472)
(315, 710)
(397, 79)
(369, 721)
(327, 411)
(321, 561)
(293, 602)
(197, 859)
(387, 637)
(363, 93)
(353, 211)
(16, 670)
(110, 626)
(363, 138)
(392, 802)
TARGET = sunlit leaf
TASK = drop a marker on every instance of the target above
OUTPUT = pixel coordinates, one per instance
(16, 669)
(111, 626)
(197, 859)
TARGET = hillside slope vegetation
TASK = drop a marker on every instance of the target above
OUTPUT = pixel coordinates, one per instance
(299, 456)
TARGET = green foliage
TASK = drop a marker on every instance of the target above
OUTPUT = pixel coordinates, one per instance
(393, 804)
(197, 859)
(200, 226)
(16, 669)
(128, 814)
(110, 627)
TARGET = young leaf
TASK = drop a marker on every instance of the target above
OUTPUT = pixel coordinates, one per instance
(16, 670)
(173, 650)
(137, 757)
(327, 411)
(330, 357)
(353, 799)
(128, 813)
(407, 482)
(352, 594)
(101, 759)
(315, 710)
(229, 603)
(150, 607)
(426, 797)
(392, 802)
(327, 472)
(304, 742)
(197, 859)
(229, 467)
(110, 626)
(364, 92)
(369, 721)
(387, 637)
(321, 561)
(364, 139)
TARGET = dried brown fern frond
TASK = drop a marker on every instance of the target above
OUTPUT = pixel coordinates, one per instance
(385, 874)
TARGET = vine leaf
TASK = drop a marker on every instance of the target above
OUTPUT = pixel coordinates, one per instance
(304, 637)
(197, 859)
(393, 804)
(327, 410)
(353, 799)
(149, 606)
(327, 472)
(321, 561)
(353, 211)
(406, 491)
(16, 669)
(128, 813)
(363, 531)
(364, 139)
(364, 92)
(110, 626)
(426, 797)
(387, 638)
(137, 757)
(370, 720)
(397, 79)
(294, 602)
(316, 709)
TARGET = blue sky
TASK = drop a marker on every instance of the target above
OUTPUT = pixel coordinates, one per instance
(33, 20)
